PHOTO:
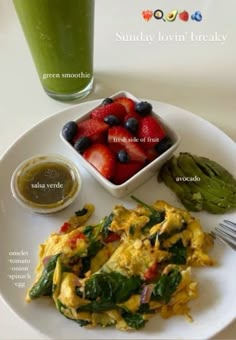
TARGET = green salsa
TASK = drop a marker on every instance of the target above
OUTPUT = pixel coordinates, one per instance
(46, 183)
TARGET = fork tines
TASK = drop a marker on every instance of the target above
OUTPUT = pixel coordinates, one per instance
(227, 233)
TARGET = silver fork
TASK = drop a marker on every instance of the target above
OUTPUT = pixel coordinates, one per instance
(226, 232)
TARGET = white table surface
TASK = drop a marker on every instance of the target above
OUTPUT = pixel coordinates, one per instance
(197, 76)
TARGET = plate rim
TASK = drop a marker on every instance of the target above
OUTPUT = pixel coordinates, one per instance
(59, 112)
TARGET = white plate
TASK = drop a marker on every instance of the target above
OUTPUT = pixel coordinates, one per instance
(23, 232)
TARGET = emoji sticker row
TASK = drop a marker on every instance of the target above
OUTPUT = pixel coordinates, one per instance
(171, 16)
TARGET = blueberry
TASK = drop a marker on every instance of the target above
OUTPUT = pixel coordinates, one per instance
(143, 108)
(163, 145)
(198, 17)
(69, 130)
(82, 144)
(123, 156)
(131, 124)
(107, 101)
(112, 120)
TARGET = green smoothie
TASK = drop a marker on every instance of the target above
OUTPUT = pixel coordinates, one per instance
(60, 37)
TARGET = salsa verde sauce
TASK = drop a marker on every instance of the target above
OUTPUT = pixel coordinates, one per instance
(47, 183)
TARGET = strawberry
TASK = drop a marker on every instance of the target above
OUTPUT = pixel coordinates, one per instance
(115, 109)
(121, 136)
(151, 154)
(115, 147)
(132, 115)
(102, 158)
(124, 171)
(92, 128)
(128, 103)
(184, 16)
(150, 131)
(100, 138)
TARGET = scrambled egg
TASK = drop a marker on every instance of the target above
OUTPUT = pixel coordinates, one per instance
(131, 265)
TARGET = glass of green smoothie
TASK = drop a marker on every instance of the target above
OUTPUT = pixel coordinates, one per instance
(59, 34)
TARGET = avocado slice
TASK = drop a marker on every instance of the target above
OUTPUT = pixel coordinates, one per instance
(171, 16)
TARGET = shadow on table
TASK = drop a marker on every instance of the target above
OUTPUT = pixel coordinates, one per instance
(174, 90)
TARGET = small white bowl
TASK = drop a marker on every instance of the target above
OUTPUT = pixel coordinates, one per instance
(144, 174)
(46, 183)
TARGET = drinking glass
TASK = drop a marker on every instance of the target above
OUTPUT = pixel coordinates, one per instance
(59, 34)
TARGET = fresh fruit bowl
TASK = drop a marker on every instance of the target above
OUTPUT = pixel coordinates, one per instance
(122, 142)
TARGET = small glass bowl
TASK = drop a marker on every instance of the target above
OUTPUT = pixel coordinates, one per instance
(46, 183)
